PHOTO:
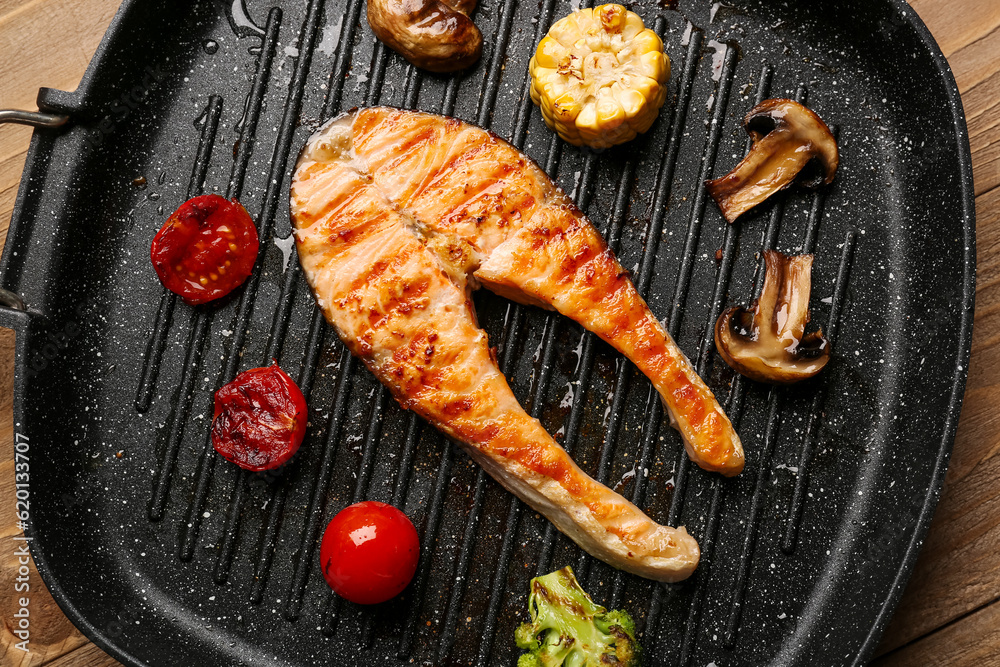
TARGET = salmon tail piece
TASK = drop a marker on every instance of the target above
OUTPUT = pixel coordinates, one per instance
(558, 258)
(399, 215)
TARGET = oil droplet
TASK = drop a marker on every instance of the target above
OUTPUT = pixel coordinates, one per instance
(240, 21)
(331, 37)
(139, 182)
(211, 46)
(718, 58)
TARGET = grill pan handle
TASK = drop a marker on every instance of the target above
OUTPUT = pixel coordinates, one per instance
(34, 119)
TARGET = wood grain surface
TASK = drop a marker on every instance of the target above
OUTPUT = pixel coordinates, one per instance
(950, 614)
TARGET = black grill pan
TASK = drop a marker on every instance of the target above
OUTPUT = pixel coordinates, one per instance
(164, 554)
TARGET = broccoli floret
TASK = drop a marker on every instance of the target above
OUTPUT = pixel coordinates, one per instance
(568, 629)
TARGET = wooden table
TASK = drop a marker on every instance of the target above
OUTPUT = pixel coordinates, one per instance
(951, 611)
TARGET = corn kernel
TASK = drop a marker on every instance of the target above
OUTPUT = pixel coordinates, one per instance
(611, 17)
(549, 53)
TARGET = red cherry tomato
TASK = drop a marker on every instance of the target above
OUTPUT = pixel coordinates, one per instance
(206, 249)
(260, 419)
(369, 552)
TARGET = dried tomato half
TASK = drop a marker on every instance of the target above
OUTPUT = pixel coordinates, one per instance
(260, 419)
(206, 249)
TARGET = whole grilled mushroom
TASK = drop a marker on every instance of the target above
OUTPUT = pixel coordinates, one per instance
(768, 343)
(433, 34)
(791, 144)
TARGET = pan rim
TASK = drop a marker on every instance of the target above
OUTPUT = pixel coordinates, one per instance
(961, 373)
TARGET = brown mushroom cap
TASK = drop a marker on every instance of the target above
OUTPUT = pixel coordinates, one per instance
(791, 144)
(435, 35)
(768, 343)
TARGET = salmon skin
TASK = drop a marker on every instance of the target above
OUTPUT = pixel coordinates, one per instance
(399, 216)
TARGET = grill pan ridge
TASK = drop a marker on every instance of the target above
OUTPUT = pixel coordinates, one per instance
(162, 555)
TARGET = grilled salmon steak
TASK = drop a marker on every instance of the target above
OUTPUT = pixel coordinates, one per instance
(399, 215)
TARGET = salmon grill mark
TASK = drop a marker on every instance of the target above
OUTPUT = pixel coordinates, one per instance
(363, 345)
(454, 408)
(405, 359)
(526, 203)
(421, 138)
(397, 304)
(344, 235)
(458, 165)
(381, 267)
(410, 160)
(353, 228)
(353, 212)
(688, 397)
(329, 209)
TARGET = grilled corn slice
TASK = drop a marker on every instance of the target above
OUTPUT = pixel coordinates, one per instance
(600, 76)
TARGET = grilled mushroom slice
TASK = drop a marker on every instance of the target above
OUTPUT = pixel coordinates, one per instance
(791, 144)
(437, 35)
(768, 343)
